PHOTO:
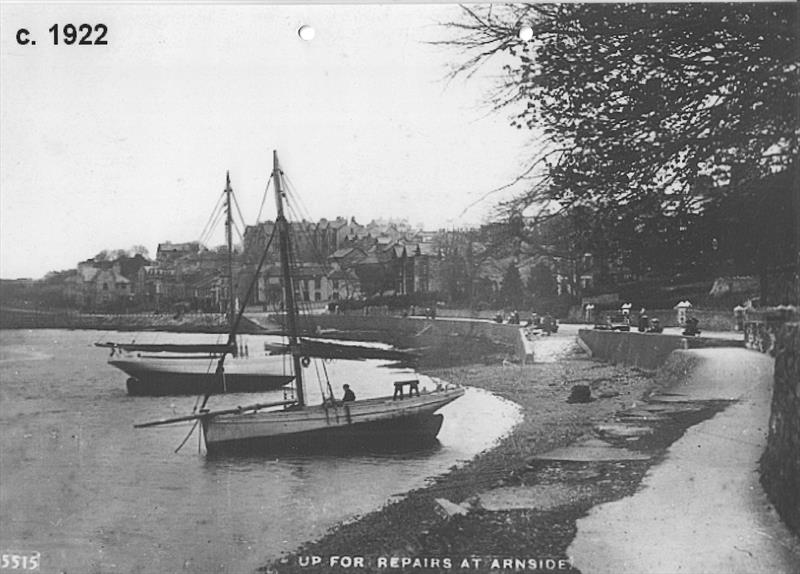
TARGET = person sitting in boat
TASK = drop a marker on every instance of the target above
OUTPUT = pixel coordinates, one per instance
(349, 395)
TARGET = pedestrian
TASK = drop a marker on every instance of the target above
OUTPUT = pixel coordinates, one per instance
(349, 395)
(644, 321)
(547, 324)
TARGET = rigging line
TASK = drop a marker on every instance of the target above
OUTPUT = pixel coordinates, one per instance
(240, 314)
(305, 304)
(309, 237)
(238, 231)
(300, 302)
(185, 440)
(239, 234)
(263, 201)
(238, 210)
(208, 370)
(328, 381)
(213, 213)
(298, 206)
(319, 380)
(207, 236)
(327, 267)
(292, 207)
(296, 196)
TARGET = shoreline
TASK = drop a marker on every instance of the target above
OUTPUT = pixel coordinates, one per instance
(416, 531)
(167, 322)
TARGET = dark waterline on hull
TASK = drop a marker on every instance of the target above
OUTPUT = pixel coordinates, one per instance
(410, 434)
(177, 384)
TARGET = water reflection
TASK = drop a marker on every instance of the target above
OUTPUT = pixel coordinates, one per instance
(246, 461)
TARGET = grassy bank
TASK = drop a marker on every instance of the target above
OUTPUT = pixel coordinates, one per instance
(415, 526)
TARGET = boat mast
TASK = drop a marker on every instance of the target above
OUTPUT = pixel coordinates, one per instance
(288, 286)
(229, 240)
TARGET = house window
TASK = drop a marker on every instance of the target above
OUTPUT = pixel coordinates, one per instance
(105, 286)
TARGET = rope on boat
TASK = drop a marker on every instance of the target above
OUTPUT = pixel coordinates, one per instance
(185, 440)
(220, 368)
(263, 200)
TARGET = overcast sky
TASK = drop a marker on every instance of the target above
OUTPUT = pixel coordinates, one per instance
(106, 147)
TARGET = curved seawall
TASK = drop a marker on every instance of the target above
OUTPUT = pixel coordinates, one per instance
(643, 350)
(442, 341)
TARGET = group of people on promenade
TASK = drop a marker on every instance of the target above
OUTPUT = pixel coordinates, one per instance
(547, 323)
(647, 325)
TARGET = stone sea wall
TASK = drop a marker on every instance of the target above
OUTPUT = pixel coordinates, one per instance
(441, 341)
(780, 464)
(644, 350)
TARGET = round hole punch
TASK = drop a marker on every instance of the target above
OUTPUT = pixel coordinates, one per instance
(306, 33)
(525, 33)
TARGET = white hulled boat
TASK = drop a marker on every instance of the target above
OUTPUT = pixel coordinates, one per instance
(194, 369)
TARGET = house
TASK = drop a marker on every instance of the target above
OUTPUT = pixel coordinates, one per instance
(313, 283)
(169, 251)
(98, 285)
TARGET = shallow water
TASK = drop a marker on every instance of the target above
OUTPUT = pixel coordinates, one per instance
(91, 494)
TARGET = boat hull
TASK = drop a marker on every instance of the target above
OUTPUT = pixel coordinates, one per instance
(151, 376)
(382, 423)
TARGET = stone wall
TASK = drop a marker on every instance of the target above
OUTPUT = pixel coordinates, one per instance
(780, 464)
(444, 340)
(644, 350)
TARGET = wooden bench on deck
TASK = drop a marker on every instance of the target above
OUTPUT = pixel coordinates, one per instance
(413, 387)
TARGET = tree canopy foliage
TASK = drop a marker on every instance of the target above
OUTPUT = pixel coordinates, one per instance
(640, 101)
(660, 128)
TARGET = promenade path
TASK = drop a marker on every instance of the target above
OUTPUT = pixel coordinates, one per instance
(702, 509)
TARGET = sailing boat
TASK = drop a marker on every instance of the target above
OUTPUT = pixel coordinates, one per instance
(396, 420)
(189, 369)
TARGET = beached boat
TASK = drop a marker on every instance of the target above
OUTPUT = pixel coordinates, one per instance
(397, 420)
(196, 369)
(168, 373)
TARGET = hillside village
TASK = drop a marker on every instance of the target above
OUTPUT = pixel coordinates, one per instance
(340, 264)
(336, 261)
(553, 265)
